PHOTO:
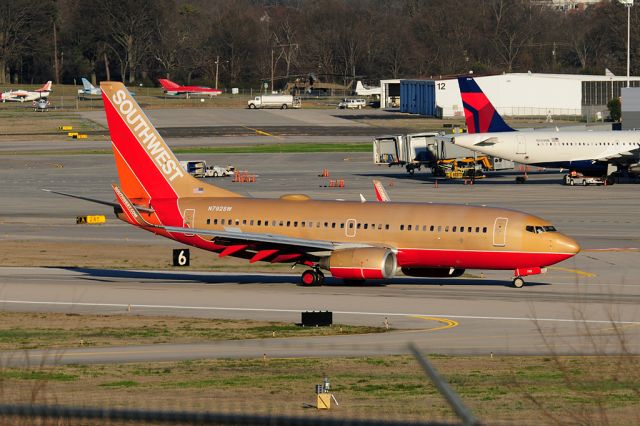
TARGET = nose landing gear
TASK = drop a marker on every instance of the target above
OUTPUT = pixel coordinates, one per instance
(518, 282)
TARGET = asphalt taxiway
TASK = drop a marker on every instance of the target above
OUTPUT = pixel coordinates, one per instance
(589, 304)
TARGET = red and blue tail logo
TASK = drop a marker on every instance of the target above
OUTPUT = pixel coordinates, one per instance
(480, 115)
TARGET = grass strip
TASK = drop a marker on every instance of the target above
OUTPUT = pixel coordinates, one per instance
(55, 330)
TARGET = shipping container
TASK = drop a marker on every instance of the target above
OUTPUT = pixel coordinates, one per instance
(418, 97)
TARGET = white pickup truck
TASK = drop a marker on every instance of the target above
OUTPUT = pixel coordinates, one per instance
(347, 103)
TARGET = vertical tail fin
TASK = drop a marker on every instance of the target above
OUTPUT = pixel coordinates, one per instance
(168, 84)
(45, 87)
(146, 166)
(480, 115)
(86, 84)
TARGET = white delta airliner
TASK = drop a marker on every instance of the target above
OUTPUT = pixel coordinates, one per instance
(591, 153)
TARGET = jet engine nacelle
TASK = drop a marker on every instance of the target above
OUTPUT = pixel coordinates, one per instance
(369, 263)
(432, 272)
(634, 169)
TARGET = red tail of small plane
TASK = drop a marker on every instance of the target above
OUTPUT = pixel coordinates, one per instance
(149, 173)
(168, 84)
(45, 87)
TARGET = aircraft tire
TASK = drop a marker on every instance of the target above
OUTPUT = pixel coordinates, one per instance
(518, 282)
(310, 278)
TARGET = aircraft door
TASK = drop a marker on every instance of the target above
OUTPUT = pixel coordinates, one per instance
(350, 228)
(521, 147)
(189, 216)
(500, 232)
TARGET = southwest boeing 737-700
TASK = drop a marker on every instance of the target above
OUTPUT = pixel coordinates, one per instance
(354, 241)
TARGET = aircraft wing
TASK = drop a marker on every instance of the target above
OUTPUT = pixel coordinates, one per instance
(621, 156)
(231, 237)
(95, 200)
(487, 141)
(234, 238)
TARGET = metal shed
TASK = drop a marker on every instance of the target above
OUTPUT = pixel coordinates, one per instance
(418, 97)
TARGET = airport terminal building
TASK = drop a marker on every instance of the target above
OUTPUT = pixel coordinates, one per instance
(526, 94)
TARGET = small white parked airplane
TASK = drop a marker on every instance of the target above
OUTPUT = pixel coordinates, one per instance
(25, 95)
(591, 153)
(88, 88)
(362, 90)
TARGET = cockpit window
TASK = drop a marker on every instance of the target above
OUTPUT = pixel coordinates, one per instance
(540, 229)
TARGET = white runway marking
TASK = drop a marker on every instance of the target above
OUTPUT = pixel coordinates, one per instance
(397, 314)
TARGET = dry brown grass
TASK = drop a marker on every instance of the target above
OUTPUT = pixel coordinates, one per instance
(58, 331)
(128, 255)
(390, 387)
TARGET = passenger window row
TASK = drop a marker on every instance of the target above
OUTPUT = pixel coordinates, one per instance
(445, 228)
(297, 224)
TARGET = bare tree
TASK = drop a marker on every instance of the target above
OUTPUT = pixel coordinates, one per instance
(20, 30)
(132, 32)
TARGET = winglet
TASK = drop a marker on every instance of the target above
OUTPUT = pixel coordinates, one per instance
(381, 193)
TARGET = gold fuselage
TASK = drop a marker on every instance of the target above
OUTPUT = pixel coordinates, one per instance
(401, 226)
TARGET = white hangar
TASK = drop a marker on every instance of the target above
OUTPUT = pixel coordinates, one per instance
(530, 94)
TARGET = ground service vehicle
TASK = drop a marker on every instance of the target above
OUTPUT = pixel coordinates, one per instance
(275, 101)
(217, 171)
(575, 178)
(413, 151)
(196, 168)
(347, 103)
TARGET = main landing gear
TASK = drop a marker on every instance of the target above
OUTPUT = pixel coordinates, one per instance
(312, 277)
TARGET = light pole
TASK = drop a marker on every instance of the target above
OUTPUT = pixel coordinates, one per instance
(217, 64)
(628, 4)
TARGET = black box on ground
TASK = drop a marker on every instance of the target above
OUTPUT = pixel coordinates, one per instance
(317, 318)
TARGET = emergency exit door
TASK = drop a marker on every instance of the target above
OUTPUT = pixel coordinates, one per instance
(521, 147)
(189, 215)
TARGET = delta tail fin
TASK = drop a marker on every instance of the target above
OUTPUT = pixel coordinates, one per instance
(147, 169)
(479, 113)
(87, 85)
(168, 84)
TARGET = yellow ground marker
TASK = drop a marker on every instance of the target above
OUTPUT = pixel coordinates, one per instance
(262, 132)
(447, 322)
(575, 271)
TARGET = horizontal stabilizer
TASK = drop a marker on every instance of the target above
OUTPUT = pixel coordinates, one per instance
(130, 209)
(94, 200)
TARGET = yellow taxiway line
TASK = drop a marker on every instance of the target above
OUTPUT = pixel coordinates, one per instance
(448, 323)
(262, 132)
(575, 271)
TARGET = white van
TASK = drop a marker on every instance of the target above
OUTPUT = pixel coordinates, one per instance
(352, 103)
